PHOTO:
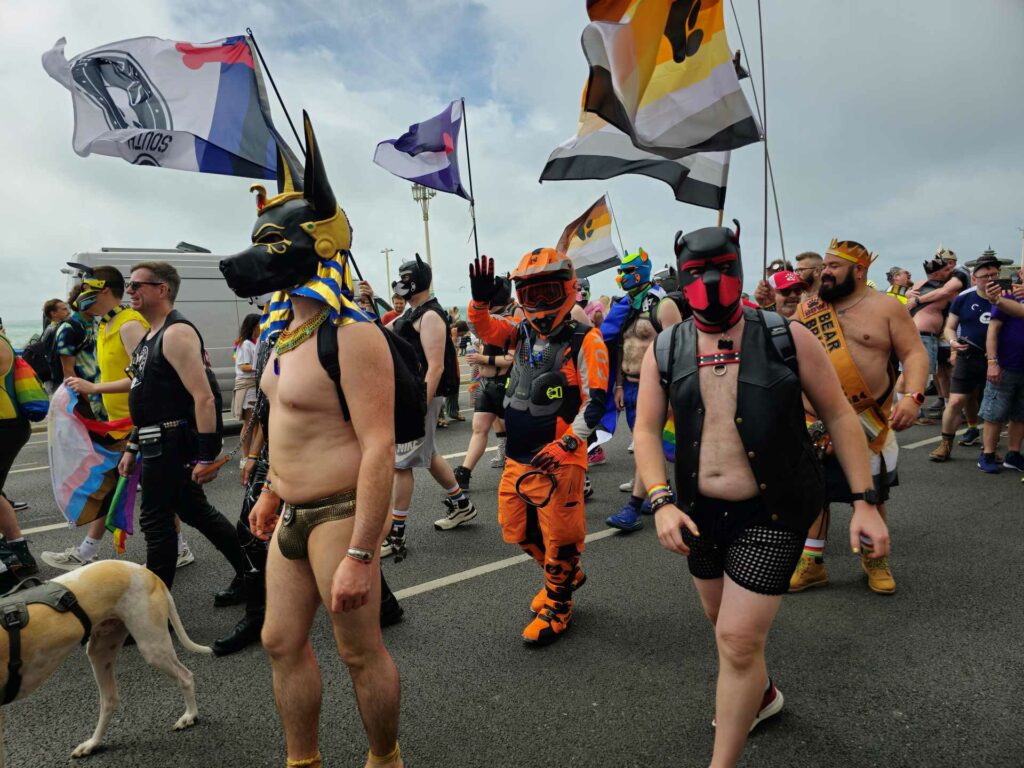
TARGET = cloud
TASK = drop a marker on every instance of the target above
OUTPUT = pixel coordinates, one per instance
(889, 123)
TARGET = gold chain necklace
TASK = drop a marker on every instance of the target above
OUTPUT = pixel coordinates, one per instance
(289, 339)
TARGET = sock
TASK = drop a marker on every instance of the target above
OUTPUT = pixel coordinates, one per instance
(815, 548)
(947, 436)
(972, 424)
(636, 501)
(87, 549)
(455, 494)
(398, 521)
(500, 436)
(182, 544)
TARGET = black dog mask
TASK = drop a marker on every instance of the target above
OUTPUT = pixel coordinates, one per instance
(413, 277)
(711, 275)
(294, 230)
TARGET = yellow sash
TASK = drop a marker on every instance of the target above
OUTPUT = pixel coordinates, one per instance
(821, 319)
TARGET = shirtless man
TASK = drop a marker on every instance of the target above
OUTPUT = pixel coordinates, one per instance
(328, 487)
(745, 474)
(489, 410)
(628, 331)
(862, 329)
(928, 301)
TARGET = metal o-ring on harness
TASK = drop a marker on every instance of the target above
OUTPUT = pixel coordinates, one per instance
(551, 491)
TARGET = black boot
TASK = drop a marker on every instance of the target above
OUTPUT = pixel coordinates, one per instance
(26, 565)
(233, 595)
(390, 610)
(247, 631)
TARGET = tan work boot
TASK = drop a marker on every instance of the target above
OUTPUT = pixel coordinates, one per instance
(810, 572)
(880, 578)
(942, 450)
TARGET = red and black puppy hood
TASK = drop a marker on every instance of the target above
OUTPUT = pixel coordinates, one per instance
(711, 275)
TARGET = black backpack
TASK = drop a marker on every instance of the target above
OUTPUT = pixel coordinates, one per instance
(37, 353)
(410, 389)
(78, 339)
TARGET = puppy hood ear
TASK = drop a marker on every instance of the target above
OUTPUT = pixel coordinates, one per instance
(736, 234)
(680, 239)
(419, 260)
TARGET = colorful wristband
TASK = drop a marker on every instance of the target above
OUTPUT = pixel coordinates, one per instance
(658, 490)
(268, 487)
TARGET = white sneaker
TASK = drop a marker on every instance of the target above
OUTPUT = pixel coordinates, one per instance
(498, 462)
(626, 487)
(630, 448)
(185, 557)
(456, 516)
(68, 560)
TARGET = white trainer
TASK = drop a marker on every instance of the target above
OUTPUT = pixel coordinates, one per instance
(185, 557)
(457, 514)
(626, 487)
(68, 560)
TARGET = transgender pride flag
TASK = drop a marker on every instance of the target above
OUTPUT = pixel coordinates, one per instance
(427, 153)
(171, 104)
(83, 472)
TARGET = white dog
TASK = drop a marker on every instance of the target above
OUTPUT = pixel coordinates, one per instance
(118, 597)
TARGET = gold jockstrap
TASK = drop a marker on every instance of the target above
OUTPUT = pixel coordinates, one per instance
(299, 520)
(821, 319)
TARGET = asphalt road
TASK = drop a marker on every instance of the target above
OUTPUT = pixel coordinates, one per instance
(930, 676)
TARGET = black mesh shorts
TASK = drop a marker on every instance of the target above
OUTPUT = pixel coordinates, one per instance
(491, 396)
(756, 556)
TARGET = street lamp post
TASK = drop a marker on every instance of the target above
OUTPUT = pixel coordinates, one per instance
(422, 195)
(387, 263)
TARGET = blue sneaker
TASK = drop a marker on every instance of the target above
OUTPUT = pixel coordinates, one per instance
(971, 436)
(1014, 460)
(626, 519)
(989, 463)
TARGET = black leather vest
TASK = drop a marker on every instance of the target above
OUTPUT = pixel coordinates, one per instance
(769, 419)
(448, 385)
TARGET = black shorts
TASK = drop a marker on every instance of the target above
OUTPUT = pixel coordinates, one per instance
(14, 433)
(969, 373)
(490, 398)
(944, 352)
(757, 556)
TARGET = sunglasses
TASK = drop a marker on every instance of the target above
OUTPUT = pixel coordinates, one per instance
(789, 291)
(133, 285)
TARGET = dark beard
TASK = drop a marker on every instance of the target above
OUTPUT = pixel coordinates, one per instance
(833, 292)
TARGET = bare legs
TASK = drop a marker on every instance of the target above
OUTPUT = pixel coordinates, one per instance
(741, 619)
(478, 442)
(295, 589)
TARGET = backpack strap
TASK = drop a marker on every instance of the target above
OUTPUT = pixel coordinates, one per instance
(327, 352)
(665, 353)
(782, 338)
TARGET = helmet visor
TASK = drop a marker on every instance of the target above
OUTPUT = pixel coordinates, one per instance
(542, 294)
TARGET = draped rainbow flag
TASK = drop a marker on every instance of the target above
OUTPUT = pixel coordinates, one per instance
(84, 471)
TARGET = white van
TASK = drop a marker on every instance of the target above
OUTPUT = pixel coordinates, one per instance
(204, 298)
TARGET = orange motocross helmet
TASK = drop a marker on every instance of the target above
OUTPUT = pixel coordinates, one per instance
(545, 284)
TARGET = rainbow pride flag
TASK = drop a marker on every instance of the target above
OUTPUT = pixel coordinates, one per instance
(84, 471)
(32, 400)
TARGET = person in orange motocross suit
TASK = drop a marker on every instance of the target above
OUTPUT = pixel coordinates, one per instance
(555, 398)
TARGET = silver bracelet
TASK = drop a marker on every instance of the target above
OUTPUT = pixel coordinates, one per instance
(362, 555)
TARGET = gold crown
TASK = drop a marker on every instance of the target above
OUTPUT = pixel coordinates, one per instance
(848, 250)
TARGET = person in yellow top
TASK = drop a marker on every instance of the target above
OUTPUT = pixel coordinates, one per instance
(899, 283)
(119, 332)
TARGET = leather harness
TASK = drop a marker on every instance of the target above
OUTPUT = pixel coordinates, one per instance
(14, 617)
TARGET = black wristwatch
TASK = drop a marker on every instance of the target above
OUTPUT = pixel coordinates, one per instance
(870, 496)
(570, 443)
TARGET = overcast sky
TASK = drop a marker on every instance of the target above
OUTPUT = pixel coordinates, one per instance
(895, 124)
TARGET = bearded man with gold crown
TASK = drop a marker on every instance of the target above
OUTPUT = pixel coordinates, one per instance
(862, 332)
(327, 494)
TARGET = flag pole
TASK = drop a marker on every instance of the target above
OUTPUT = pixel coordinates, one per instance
(469, 167)
(764, 130)
(721, 213)
(263, 61)
(615, 221)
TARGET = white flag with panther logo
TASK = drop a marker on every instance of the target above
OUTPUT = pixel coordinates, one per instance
(194, 107)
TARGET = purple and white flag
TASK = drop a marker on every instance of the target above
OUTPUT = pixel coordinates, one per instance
(194, 107)
(427, 153)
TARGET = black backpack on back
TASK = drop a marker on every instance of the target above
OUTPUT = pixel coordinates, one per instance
(37, 354)
(410, 389)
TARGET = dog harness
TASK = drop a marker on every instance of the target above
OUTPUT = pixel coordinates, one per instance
(14, 617)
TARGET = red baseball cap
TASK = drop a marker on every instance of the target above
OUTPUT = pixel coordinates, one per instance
(782, 280)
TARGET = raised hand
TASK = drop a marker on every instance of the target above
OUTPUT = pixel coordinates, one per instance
(481, 278)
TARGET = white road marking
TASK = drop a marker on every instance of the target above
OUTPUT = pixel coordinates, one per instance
(480, 570)
(44, 528)
(460, 455)
(30, 469)
(929, 441)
